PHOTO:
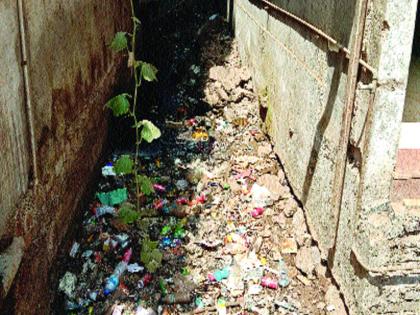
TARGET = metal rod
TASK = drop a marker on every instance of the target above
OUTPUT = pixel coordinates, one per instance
(341, 164)
(28, 101)
(319, 32)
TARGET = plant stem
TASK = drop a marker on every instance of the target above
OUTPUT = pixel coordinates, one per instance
(136, 86)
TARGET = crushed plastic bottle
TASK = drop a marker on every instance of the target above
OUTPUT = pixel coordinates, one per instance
(113, 281)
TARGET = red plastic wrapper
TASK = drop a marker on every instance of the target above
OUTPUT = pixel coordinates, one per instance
(257, 212)
(269, 283)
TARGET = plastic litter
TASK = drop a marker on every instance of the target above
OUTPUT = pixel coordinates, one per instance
(269, 283)
(177, 298)
(159, 188)
(108, 170)
(284, 280)
(101, 211)
(257, 212)
(68, 284)
(144, 311)
(261, 196)
(181, 184)
(74, 249)
(220, 274)
(134, 268)
(113, 197)
(145, 281)
(113, 281)
(221, 306)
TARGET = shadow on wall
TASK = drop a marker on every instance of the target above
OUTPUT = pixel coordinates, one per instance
(336, 60)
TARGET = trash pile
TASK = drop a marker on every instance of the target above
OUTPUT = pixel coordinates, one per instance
(219, 233)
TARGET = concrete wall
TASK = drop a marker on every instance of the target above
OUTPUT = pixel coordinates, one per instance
(72, 74)
(305, 81)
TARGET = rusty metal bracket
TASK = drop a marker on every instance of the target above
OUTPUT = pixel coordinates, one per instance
(319, 32)
(351, 85)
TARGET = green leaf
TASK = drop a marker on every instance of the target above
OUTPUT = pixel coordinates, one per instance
(146, 185)
(119, 42)
(149, 132)
(148, 71)
(119, 105)
(127, 214)
(124, 165)
(150, 255)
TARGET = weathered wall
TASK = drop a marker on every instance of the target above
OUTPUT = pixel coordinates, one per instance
(14, 157)
(305, 81)
(72, 72)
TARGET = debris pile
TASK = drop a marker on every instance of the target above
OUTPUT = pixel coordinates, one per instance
(219, 231)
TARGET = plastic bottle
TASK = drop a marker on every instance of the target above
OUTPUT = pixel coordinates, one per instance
(113, 281)
(269, 283)
(177, 298)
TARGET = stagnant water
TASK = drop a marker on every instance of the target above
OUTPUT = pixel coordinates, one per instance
(222, 217)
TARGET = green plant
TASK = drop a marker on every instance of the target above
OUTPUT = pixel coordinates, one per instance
(150, 255)
(120, 106)
(127, 214)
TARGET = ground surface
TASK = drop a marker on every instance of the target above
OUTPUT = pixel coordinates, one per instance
(225, 222)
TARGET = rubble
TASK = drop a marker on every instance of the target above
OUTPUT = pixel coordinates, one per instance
(221, 231)
(307, 259)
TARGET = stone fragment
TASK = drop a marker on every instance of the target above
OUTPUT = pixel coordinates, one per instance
(290, 207)
(272, 183)
(335, 305)
(299, 227)
(307, 259)
(264, 150)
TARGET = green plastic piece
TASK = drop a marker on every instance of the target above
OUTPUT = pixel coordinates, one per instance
(221, 274)
(199, 302)
(185, 271)
(226, 186)
(179, 232)
(165, 230)
(113, 197)
(163, 287)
